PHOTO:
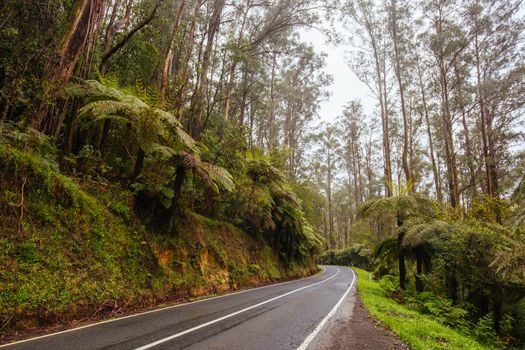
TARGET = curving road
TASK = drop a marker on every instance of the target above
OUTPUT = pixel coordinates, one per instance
(283, 316)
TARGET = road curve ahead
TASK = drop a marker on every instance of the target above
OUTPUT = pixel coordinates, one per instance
(282, 316)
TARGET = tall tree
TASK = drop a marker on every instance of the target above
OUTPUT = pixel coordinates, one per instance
(446, 41)
(370, 67)
(214, 23)
(497, 50)
(398, 30)
(82, 22)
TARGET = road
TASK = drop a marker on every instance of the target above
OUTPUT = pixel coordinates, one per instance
(283, 316)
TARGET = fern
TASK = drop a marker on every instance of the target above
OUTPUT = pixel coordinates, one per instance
(510, 260)
(433, 232)
(212, 176)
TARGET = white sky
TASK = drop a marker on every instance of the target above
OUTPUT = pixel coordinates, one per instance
(346, 86)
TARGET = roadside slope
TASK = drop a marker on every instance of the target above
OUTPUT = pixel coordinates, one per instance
(73, 250)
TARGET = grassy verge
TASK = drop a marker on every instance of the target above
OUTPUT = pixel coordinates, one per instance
(417, 330)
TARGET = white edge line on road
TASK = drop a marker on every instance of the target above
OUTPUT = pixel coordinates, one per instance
(312, 335)
(157, 310)
(180, 334)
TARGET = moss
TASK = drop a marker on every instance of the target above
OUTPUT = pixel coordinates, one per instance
(73, 248)
(66, 250)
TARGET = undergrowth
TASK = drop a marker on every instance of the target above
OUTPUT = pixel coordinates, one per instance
(423, 322)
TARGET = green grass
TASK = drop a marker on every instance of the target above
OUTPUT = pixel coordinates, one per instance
(417, 330)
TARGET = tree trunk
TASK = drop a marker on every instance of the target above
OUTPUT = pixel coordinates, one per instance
(401, 263)
(401, 256)
(490, 172)
(104, 63)
(175, 209)
(444, 63)
(168, 59)
(330, 202)
(229, 86)
(181, 96)
(398, 72)
(435, 170)
(111, 28)
(386, 139)
(59, 70)
(419, 271)
(450, 153)
(198, 98)
(380, 89)
(451, 282)
(466, 131)
(139, 164)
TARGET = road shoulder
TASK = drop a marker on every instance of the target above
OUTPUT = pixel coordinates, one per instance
(353, 328)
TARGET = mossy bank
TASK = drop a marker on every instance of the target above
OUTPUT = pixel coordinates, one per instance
(73, 249)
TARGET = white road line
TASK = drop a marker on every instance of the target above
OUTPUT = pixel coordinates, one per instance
(157, 310)
(171, 337)
(312, 335)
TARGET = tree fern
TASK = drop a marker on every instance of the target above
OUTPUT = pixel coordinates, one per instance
(212, 176)
(158, 133)
(151, 125)
(432, 232)
(510, 260)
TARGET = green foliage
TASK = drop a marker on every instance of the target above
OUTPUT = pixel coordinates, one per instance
(267, 206)
(471, 266)
(484, 330)
(401, 207)
(75, 233)
(490, 209)
(519, 317)
(440, 308)
(313, 202)
(417, 329)
(445, 312)
(163, 144)
(358, 255)
(153, 128)
(28, 139)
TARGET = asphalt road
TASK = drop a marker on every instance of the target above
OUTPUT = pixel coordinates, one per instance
(282, 316)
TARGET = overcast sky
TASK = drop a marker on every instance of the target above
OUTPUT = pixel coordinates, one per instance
(345, 86)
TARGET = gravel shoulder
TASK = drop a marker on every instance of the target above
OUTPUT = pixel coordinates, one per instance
(353, 328)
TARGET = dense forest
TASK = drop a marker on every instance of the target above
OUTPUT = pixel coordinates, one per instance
(155, 131)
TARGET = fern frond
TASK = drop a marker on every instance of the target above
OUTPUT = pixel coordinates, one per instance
(168, 117)
(115, 118)
(510, 261)
(105, 107)
(161, 151)
(435, 232)
(189, 160)
(220, 176)
(187, 140)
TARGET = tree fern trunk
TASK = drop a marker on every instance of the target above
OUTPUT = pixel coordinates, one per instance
(180, 176)
(451, 283)
(419, 272)
(400, 255)
(104, 136)
(401, 262)
(139, 164)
